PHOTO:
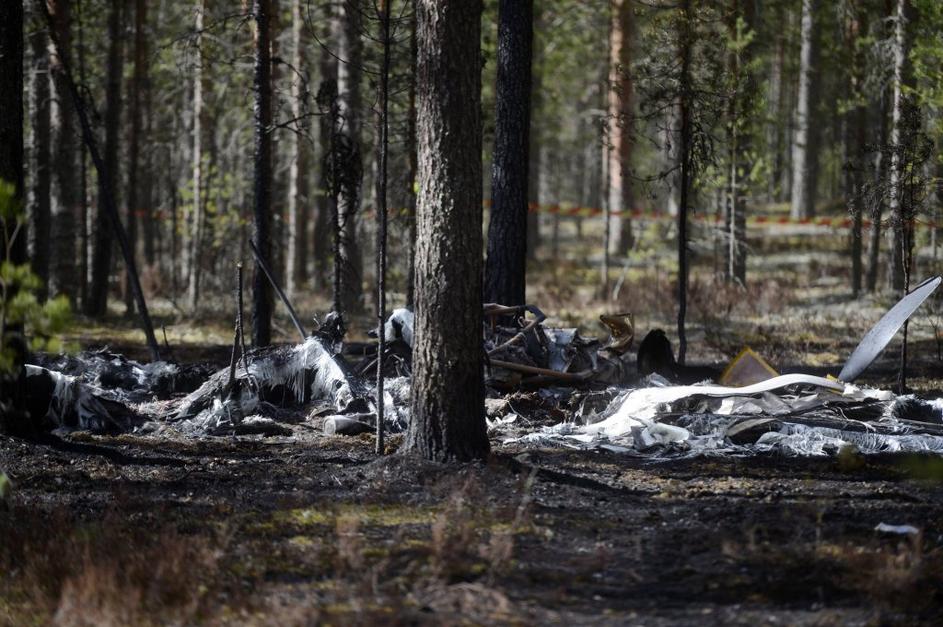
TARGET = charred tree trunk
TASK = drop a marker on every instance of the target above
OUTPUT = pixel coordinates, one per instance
(413, 172)
(12, 383)
(66, 205)
(856, 137)
(106, 192)
(777, 112)
(85, 212)
(740, 106)
(149, 224)
(805, 150)
(447, 421)
(382, 171)
(897, 208)
(97, 305)
(621, 189)
(534, 150)
(296, 274)
(194, 222)
(877, 215)
(138, 196)
(349, 262)
(505, 271)
(684, 154)
(327, 200)
(39, 202)
(262, 304)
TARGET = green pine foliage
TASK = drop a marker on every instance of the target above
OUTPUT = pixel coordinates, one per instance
(42, 322)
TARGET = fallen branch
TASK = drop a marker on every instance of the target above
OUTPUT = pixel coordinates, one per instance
(573, 377)
(107, 193)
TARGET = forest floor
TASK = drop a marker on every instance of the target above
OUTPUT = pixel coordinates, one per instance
(315, 529)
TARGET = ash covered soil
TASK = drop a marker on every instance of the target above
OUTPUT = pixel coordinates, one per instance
(132, 530)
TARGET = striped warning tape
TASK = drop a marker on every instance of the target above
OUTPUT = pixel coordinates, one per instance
(835, 222)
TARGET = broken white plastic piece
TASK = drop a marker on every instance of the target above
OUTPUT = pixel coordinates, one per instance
(901, 530)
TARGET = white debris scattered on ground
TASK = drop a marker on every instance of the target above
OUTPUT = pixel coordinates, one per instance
(809, 416)
(901, 530)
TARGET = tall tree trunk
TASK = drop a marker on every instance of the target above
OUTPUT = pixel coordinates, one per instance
(350, 51)
(12, 383)
(148, 215)
(896, 206)
(262, 304)
(97, 304)
(107, 202)
(776, 124)
(739, 108)
(66, 205)
(505, 270)
(805, 149)
(39, 202)
(138, 200)
(855, 141)
(534, 149)
(448, 421)
(684, 154)
(413, 167)
(296, 274)
(381, 187)
(85, 212)
(621, 189)
(874, 239)
(277, 254)
(194, 222)
(327, 200)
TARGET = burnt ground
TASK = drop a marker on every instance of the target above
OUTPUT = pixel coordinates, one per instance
(134, 530)
(130, 530)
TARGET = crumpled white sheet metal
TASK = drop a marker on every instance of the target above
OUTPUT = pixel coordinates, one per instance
(803, 440)
(634, 424)
(76, 405)
(399, 326)
(307, 371)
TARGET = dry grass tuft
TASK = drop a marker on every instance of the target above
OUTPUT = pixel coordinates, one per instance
(109, 572)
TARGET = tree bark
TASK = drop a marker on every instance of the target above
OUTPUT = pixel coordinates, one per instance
(413, 168)
(505, 271)
(194, 221)
(739, 108)
(776, 125)
(382, 171)
(326, 205)
(877, 215)
(896, 206)
(296, 274)
(12, 384)
(350, 51)
(138, 177)
(805, 149)
(40, 140)
(447, 421)
(66, 205)
(262, 304)
(97, 305)
(85, 211)
(106, 192)
(621, 190)
(534, 149)
(856, 138)
(684, 154)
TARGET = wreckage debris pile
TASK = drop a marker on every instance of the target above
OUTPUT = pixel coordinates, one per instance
(547, 387)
